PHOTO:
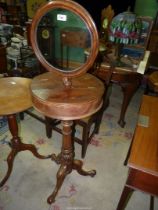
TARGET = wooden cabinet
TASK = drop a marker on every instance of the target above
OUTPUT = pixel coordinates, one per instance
(153, 42)
(13, 14)
(46, 41)
(3, 59)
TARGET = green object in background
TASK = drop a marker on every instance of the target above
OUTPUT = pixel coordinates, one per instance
(73, 21)
(146, 8)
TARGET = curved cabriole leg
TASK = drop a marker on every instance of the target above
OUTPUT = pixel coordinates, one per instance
(129, 90)
(16, 141)
(17, 146)
(62, 172)
(10, 161)
(33, 149)
(77, 165)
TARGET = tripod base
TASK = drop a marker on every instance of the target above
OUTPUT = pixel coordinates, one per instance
(67, 161)
(17, 146)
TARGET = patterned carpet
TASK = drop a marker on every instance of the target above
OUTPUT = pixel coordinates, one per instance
(33, 180)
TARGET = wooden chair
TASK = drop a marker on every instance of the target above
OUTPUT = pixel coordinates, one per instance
(108, 13)
(151, 76)
(106, 17)
(86, 124)
(90, 125)
(152, 83)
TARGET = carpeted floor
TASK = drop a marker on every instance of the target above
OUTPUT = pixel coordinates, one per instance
(33, 180)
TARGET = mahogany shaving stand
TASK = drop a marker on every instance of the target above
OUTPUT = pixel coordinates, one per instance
(66, 92)
(53, 99)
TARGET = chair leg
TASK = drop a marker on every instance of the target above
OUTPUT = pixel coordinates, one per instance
(21, 115)
(98, 122)
(49, 128)
(85, 136)
(147, 89)
(101, 112)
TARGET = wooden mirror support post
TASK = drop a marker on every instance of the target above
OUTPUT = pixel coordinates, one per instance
(64, 93)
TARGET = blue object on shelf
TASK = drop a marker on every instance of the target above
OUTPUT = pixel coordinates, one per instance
(3, 125)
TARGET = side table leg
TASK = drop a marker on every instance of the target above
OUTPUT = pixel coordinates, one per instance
(151, 202)
(128, 91)
(17, 146)
(10, 160)
(127, 191)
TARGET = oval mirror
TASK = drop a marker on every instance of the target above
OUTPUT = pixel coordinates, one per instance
(64, 37)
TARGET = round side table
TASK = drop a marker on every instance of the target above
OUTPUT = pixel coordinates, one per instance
(15, 98)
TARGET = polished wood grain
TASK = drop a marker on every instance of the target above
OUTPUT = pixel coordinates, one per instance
(144, 153)
(14, 95)
(143, 156)
(52, 98)
(14, 98)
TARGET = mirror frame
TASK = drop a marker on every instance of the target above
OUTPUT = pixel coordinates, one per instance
(85, 16)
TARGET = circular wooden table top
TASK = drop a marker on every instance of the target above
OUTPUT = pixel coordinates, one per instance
(14, 95)
(53, 99)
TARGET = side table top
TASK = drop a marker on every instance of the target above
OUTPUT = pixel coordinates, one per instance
(144, 151)
(131, 66)
(14, 95)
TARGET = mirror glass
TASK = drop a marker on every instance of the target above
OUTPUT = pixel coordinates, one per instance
(63, 39)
